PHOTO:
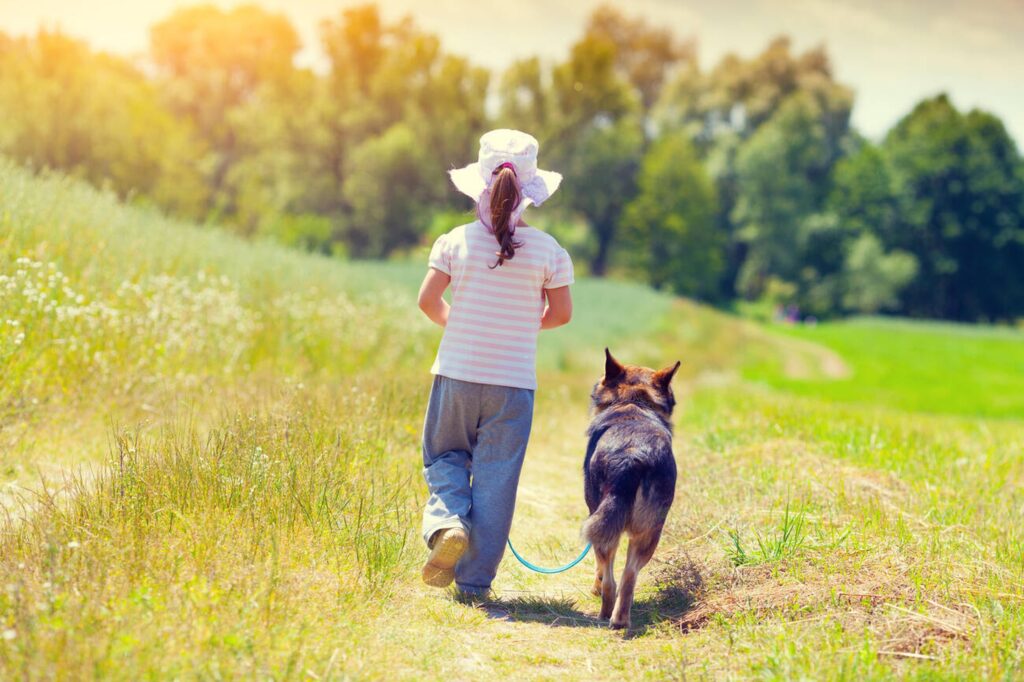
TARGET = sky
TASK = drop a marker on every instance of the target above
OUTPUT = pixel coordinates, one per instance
(892, 52)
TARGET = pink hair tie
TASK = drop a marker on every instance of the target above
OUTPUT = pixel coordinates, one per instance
(507, 164)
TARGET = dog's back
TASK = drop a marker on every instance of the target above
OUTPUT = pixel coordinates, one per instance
(629, 475)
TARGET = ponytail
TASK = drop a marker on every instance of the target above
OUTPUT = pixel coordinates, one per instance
(505, 198)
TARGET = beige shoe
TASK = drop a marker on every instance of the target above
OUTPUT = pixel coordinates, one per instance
(449, 546)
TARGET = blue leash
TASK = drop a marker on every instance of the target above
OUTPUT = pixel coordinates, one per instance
(549, 571)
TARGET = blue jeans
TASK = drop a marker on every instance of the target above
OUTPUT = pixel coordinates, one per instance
(474, 441)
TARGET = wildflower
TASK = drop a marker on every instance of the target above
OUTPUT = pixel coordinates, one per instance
(8, 635)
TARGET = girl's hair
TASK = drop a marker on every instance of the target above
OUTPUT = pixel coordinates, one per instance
(505, 197)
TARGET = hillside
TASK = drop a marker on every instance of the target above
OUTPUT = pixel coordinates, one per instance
(209, 459)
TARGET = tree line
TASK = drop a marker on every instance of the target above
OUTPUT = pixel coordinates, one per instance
(743, 182)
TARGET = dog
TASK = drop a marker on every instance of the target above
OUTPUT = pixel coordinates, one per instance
(629, 475)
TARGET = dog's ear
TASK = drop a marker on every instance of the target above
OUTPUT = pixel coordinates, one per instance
(613, 370)
(663, 377)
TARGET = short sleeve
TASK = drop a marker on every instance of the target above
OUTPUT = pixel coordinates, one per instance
(440, 257)
(559, 272)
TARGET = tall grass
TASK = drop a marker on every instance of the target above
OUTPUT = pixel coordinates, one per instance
(788, 539)
(197, 551)
(99, 302)
(275, 484)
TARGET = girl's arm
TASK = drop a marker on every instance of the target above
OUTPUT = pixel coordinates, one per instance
(431, 299)
(559, 308)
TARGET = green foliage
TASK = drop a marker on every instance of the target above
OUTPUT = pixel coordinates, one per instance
(526, 99)
(215, 60)
(670, 225)
(723, 110)
(443, 221)
(595, 137)
(873, 278)
(600, 179)
(863, 197)
(211, 62)
(845, 266)
(961, 187)
(788, 540)
(646, 55)
(738, 96)
(592, 116)
(390, 189)
(588, 87)
(781, 172)
(95, 116)
(307, 231)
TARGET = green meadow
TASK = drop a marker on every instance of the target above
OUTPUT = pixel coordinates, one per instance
(209, 468)
(939, 368)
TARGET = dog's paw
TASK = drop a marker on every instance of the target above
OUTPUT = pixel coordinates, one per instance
(619, 624)
(596, 589)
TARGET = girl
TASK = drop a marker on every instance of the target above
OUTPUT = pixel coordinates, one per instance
(508, 281)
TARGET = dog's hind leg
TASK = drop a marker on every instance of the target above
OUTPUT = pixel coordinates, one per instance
(641, 549)
(606, 578)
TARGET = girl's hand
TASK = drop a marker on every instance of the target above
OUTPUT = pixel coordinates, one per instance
(431, 299)
(559, 308)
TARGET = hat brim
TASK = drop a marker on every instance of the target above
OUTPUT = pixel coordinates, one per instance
(469, 181)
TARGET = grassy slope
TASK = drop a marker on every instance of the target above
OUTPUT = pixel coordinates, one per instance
(257, 514)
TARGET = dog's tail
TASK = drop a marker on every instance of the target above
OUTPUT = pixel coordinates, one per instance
(604, 527)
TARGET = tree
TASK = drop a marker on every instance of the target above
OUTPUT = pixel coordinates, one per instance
(279, 169)
(96, 116)
(857, 273)
(863, 196)
(597, 141)
(588, 90)
(782, 173)
(390, 189)
(601, 180)
(385, 74)
(724, 108)
(670, 226)
(740, 95)
(525, 98)
(872, 278)
(645, 55)
(961, 188)
(211, 62)
(295, 137)
(382, 74)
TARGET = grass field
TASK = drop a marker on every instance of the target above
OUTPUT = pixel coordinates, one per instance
(925, 367)
(210, 468)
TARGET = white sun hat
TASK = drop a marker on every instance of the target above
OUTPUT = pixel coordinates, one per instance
(505, 146)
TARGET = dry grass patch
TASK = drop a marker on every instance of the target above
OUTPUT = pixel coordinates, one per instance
(883, 605)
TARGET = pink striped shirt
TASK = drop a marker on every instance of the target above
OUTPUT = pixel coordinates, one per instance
(491, 336)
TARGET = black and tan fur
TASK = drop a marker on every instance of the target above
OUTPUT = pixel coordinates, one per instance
(629, 475)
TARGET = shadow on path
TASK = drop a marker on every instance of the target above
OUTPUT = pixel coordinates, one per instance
(675, 592)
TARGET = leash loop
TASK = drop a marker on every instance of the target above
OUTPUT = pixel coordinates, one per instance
(548, 571)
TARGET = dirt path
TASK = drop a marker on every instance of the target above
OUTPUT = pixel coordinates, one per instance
(806, 360)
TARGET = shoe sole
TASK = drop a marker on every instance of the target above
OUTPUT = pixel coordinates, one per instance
(439, 571)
